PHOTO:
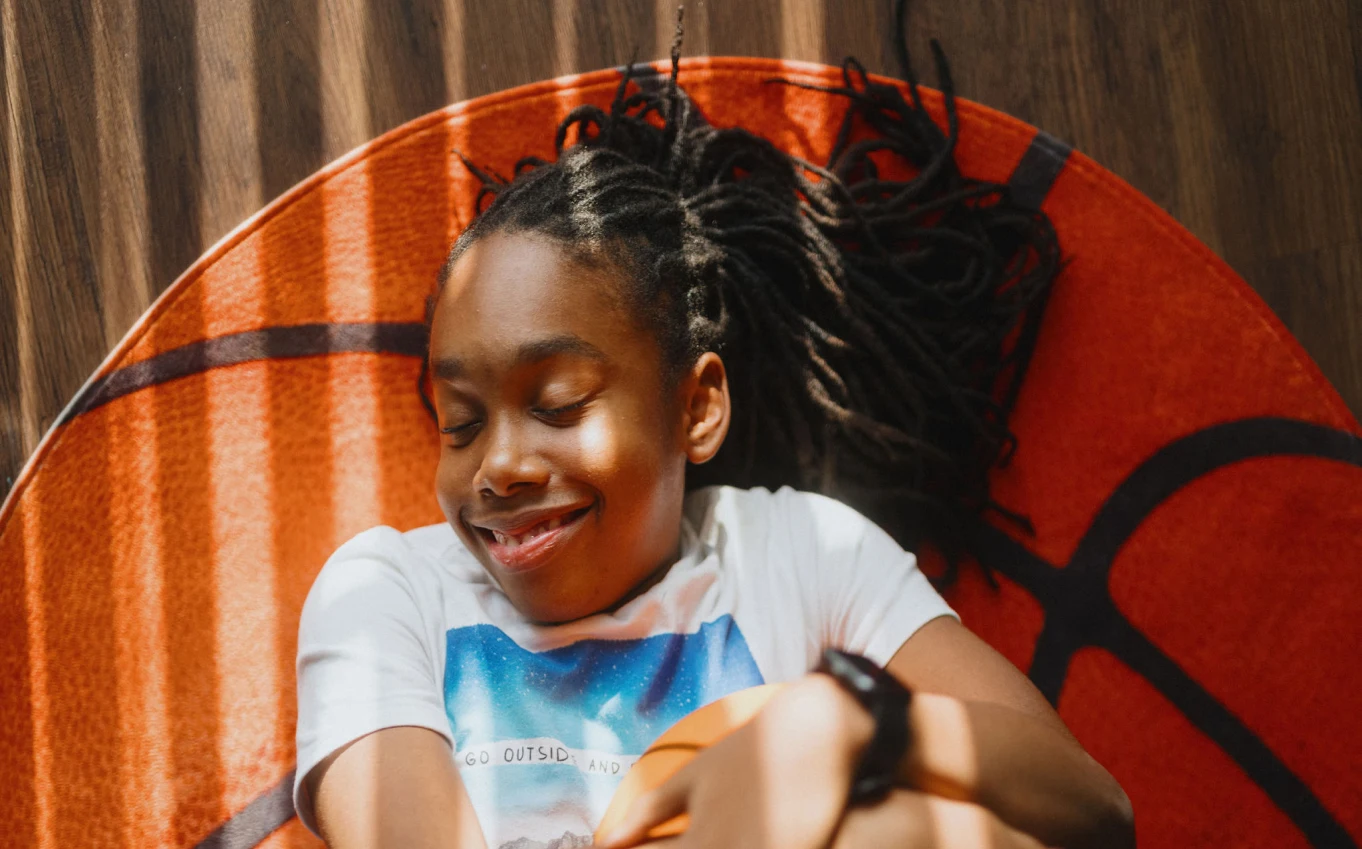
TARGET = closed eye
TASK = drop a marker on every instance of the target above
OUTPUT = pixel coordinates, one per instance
(463, 433)
(561, 412)
(458, 428)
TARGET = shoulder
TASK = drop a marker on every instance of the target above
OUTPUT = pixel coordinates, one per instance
(385, 553)
(385, 566)
(388, 542)
(369, 644)
(787, 510)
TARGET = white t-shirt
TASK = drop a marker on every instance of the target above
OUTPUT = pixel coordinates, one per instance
(408, 629)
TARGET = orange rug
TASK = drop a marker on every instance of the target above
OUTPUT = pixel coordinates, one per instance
(1188, 600)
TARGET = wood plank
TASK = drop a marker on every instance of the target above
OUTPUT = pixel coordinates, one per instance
(14, 442)
(1318, 295)
(53, 200)
(404, 61)
(172, 151)
(286, 103)
(229, 59)
(121, 262)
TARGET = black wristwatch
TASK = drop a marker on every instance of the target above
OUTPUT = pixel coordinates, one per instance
(886, 700)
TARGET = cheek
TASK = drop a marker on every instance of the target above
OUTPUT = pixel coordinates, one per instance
(642, 481)
(451, 479)
(600, 451)
(623, 453)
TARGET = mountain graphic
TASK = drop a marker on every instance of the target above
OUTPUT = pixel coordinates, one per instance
(567, 841)
(516, 713)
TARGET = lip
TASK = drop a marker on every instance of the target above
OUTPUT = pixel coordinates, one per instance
(537, 552)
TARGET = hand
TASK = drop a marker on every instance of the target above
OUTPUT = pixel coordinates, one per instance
(780, 781)
(908, 819)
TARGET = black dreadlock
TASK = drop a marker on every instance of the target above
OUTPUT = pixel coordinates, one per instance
(876, 330)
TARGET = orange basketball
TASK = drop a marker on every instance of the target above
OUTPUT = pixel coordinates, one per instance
(674, 749)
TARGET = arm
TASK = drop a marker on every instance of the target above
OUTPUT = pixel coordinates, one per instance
(995, 741)
(988, 739)
(781, 781)
(982, 733)
(394, 787)
(374, 758)
(991, 765)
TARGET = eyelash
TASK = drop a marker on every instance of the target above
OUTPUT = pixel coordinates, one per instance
(559, 411)
(550, 413)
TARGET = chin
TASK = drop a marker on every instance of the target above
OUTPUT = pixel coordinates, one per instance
(554, 606)
(554, 614)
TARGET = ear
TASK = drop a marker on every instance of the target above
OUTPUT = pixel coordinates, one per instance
(705, 404)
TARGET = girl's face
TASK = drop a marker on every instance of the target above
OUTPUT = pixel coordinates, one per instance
(563, 456)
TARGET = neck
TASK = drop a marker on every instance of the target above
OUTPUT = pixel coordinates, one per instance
(649, 581)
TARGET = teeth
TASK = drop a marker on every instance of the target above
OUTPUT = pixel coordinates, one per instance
(513, 541)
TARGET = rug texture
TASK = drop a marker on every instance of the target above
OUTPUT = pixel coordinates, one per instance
(1191, 599)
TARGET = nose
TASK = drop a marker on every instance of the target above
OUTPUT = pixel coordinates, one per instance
(510, 464)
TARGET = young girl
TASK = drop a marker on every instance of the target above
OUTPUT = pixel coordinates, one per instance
(642, 356)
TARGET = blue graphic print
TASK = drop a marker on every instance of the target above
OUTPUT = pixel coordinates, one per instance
(543, 738)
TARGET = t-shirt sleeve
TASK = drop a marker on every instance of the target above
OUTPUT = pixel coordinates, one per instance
(872, 596)
(366, 653)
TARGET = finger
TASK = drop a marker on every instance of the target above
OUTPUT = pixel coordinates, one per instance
(653, 808)
(915, 820)
(664, 843)
(964, 825)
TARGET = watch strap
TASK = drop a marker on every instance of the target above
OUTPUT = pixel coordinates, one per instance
(887, 701)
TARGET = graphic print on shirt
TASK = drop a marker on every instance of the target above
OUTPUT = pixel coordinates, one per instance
(542, 739)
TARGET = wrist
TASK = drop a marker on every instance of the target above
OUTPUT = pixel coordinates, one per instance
(944, 761)
(884, 701)
(852, 726)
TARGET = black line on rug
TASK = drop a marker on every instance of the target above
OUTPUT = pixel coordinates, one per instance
(1080, 612)
(249, 827)
(1038, 169)
(285, 342)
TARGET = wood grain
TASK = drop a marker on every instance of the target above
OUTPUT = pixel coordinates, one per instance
(138, 132)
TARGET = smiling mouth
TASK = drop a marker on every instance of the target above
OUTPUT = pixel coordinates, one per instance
(531, 548)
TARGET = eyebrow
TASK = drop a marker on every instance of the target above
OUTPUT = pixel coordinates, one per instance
(450, 368)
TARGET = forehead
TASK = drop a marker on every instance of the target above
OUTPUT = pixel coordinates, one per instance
(511, 290)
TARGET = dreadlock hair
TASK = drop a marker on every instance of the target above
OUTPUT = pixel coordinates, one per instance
(875, 330)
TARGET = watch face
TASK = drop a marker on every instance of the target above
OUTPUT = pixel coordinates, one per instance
(864, 664)
(885, 699)
(854, 671)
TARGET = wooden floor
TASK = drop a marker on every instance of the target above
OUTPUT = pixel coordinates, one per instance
(137, 132)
